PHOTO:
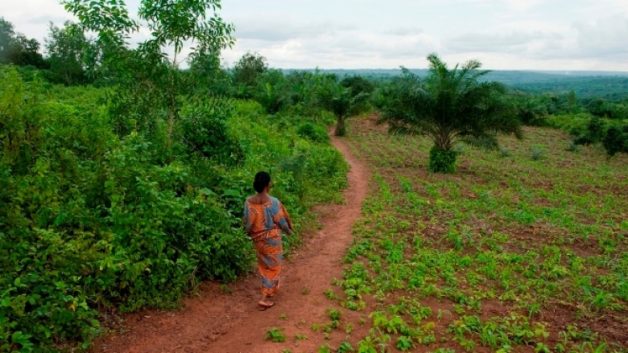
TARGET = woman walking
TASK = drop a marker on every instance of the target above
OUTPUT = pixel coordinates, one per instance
(264, 219)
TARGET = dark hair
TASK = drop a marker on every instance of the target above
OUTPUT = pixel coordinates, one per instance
(262, 180)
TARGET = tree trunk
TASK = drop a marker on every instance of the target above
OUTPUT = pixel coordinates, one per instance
(172, 108)
(341, 129)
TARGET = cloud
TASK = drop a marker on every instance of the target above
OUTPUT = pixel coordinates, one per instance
(604, 37)
(273, 30)
(32, 17)
(509, 42)
(503, 34)
(336, 47)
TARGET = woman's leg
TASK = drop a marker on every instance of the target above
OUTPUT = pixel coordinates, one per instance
(269, 264)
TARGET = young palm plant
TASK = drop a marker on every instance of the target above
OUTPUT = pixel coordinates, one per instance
(449, 105)
(343, 102)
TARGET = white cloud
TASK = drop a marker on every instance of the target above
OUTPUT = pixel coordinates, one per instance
(503, 34)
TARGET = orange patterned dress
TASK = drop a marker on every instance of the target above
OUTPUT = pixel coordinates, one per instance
(264, 223)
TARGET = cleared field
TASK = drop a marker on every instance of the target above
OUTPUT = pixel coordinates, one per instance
(522, 250)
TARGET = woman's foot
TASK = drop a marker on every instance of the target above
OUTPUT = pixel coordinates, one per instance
(265, 303)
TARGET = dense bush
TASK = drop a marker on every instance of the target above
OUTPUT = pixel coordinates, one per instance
(616, 140)
(442, 161)
(204, 129)
(313, 132)
(92, 219)
(593, 133)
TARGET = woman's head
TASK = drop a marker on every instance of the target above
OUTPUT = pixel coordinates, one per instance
(262, 181)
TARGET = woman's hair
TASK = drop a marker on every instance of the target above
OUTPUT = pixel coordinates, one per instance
(262, 180)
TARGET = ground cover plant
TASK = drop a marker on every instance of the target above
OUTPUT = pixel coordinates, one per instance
(510, 254)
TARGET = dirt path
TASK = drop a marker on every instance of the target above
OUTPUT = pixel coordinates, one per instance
(219, 322)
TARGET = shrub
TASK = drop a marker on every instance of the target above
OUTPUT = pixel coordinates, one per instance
(616, 140)
(204, 129)
(442, 161)
(538, 153)
(573, 147)
(594, 132)
(93, 220)
(313, 132)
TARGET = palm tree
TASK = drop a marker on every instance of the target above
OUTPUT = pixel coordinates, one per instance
(449, 105)
(343, 100)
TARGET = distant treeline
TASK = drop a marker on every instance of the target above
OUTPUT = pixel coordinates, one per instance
(585, 84)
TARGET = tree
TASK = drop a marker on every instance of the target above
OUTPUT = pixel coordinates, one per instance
(449, 105)
(594, 132)
(6, 38)
(616, 140)
(207, 75)
(357, 85)
(150, 80)
(25, 52)
(247, 71)
(531, 109)
(17, 49)
(69, 54)
(271, 91)
(343, 101)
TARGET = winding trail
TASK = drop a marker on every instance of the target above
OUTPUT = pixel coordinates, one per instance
(221, 322)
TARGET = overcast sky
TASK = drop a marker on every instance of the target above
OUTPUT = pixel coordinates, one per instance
(502, 34)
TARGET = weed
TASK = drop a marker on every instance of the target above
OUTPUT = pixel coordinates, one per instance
(404, 343)
(345, 347)
(537, 153)
(276, 335)
(325, 349)
(501, 237)
(330, 294)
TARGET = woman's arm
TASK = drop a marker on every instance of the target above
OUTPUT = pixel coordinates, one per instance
(283, 220)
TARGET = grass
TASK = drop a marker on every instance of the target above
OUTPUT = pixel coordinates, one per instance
(517, 251)
(275, 335)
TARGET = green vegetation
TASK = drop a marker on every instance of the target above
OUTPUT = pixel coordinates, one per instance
(123, 177)
(127, 194)
(616, 140)
(505, 255)
(447, 106)
(275, 335)
(17, 49)
(346, 99)
(94, 219)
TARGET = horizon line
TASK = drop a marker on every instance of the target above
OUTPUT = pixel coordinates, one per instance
(487, 69)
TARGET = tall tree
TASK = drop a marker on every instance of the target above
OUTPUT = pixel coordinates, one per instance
(344, 100)
(151, 79)
(15, 48)
(6, 38)
(246, 73)
(449, 105)
(69, 54)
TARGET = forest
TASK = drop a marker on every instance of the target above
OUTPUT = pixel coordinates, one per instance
(124, 171)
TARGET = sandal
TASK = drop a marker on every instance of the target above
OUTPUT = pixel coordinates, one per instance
(265, 305)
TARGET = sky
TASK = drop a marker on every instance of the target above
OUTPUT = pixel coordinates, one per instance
(563, 35)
